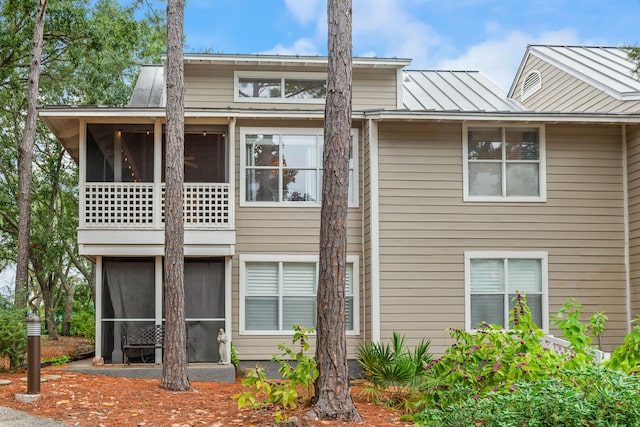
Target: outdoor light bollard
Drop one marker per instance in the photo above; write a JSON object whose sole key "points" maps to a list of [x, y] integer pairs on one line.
{"points": [[33, 354]]}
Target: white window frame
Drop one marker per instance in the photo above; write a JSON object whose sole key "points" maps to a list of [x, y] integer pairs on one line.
{"points": [[542, 165], [531, 84], [249, 258], [543, 256], [318, 132], [283, 76]]}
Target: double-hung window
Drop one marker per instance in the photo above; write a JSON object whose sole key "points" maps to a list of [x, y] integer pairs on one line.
{"points": [[504, 164], [284, 165], [278, 292], [492, 281]]}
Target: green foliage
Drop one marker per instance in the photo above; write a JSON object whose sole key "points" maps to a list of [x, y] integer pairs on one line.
{"points": [[626, 358], [490, 360], [83, 324], [282, 394], [57, 360], [235, 360], [13, 333], [634, 55], [393, 370], [589, 396]]}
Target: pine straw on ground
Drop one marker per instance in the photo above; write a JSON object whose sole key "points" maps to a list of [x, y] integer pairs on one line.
{"points": [[96, 400]]}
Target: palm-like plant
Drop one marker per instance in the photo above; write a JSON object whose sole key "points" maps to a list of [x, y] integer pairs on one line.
{"points": [[393, 370]]}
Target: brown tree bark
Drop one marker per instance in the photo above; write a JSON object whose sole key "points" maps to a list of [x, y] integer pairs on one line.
{"points": [[332, 399], [25, 158], [174, 368]]}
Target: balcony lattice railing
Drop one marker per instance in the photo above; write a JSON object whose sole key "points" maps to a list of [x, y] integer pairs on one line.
{"points": [[139, 205]]}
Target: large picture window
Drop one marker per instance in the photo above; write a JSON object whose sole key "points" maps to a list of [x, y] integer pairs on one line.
{"points": [[504, 164], [492, 280], [276, 294], [282, 165]]}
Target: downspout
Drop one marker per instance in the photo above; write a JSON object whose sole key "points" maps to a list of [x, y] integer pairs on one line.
{"points": [[374, 213], [625, 200], [363, 244]]}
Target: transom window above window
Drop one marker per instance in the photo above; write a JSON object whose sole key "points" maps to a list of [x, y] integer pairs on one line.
{"points": [[283, 165], [280, 87], [275, 295], [504, 164], [494, 279]]}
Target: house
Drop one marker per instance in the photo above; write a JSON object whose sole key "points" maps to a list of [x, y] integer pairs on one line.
{"points": [[459, 196]]}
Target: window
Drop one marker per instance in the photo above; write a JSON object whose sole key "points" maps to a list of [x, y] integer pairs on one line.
{"points": [[492, 280], [504, 164], [285, 166], [277, 293], [280, 87]]}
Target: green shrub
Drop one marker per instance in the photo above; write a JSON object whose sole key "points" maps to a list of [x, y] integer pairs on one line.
{"points": [[13, 333], [590, 396], [490, 359], [626, 358], [393, 371], [282, 394], [83, 324]]}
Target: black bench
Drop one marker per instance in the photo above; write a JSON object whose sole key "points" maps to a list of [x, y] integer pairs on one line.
{"points": [[141, 338]]}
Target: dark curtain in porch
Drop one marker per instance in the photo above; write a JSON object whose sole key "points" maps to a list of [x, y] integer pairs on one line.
{"points": [[204, 299]]}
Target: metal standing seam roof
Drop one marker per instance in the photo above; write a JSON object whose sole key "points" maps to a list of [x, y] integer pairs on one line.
{"points": [[149, 89], [607, 68], [465, 91]]}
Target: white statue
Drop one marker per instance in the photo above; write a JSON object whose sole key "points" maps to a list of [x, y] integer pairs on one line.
{"points": [[222, 346]]}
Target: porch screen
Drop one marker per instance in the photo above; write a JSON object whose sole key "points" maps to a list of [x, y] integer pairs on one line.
{"points": [[204, 307]]}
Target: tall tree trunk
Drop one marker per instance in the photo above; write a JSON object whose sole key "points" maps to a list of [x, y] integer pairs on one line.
{"points": [[174, 369], [332, 399], [25, 158], [68, 305], [48, 299]]}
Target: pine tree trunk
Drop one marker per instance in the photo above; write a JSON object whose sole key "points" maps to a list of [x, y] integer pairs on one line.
{"points": [[174, 369], [332, 399], [25, 158]]}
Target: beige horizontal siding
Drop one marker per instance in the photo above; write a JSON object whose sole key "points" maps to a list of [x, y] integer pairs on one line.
{"points": [[425, 227], [562, 92], [208, 86], [633, 164], [281, 231]]}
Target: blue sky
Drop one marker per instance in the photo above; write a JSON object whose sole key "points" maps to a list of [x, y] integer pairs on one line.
{"points": [[486, 35]]}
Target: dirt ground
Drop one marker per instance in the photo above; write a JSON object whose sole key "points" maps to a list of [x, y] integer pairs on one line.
{"points": [[96, 400]]}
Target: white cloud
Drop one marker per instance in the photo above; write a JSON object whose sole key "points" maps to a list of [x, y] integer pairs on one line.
{"points": [[499, 58], [386, 23], [300, 47], [305, 10]]}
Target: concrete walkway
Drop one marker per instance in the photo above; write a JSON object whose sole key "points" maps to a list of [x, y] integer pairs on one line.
{"points": [[12, 418]]}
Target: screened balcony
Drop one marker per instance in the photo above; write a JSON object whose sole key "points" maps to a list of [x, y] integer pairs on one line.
{"points": [[124, 178]]}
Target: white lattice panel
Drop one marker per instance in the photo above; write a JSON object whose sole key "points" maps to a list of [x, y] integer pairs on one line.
{"points": [[205, 205], [118, 204]]}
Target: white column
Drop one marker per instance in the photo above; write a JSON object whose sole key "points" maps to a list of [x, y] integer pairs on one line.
{"points": [[98, 343], [82, 172], [157, 174]]}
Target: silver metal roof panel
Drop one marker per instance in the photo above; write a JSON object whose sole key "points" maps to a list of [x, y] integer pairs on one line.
{"points": [[431, 90]]}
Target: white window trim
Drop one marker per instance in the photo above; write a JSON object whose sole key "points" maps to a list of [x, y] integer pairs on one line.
{"points": [[542, 172], [543, 256], [237, 75], [244, 131], [248, 258]]}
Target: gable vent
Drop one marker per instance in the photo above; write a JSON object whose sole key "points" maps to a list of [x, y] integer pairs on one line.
{"points": [[531, 84]]}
